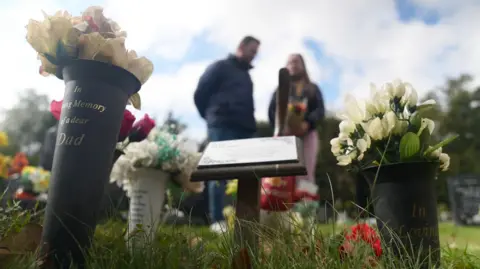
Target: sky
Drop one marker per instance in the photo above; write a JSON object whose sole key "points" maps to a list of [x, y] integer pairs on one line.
{"points": [[347, 45]]}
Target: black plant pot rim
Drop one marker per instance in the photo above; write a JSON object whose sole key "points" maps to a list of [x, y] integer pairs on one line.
{"points": [[372, 167], [127, 75], [401, 172]]}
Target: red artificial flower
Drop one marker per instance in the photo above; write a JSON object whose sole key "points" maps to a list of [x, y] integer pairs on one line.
{"points": [[365, 233], [141, 129], [127, 123], [56, 109]]}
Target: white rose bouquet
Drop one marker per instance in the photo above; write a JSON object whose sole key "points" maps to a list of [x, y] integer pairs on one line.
{"points": [[388, 128], [161, 150], [62, 37]]}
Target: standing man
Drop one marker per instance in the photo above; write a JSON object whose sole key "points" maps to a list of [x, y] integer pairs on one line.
{"points": [[224, 98]]}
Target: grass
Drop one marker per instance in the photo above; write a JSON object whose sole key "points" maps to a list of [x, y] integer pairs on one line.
{"points": [[196, 248]]}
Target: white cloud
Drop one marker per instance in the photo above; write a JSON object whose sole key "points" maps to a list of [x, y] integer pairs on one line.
{"points": [[365, 39]]}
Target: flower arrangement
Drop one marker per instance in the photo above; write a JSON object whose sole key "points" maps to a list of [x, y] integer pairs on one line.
{"points": [[160, 150], [388, 128], [35, 179], [61, 38]]}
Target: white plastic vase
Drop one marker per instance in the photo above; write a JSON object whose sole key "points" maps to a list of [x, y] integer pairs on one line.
{"points": [[146, 203]]}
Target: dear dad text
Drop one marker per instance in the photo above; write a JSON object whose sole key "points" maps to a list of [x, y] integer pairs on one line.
{"points": [[69, 140]]}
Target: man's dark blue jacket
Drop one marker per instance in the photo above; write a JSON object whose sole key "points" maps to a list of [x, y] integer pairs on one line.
{"points": [[224, 95]]}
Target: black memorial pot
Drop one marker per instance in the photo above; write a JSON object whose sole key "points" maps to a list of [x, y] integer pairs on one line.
{"points": [[405, 204], [95, 98]]}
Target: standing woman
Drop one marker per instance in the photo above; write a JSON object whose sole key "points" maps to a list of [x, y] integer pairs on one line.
{"points": [[308, 93]]}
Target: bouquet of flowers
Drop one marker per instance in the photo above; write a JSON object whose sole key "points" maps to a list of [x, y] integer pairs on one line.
{"points": [[160, 150], [295, 114], [388, 128], [60, 38], [34, 180]]}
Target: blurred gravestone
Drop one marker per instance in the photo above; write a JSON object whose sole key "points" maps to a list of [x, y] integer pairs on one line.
{"points": [[464, 193], [48, 148]]}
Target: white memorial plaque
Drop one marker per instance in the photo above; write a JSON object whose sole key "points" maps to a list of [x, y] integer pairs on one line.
{"points": [[254, 151]]}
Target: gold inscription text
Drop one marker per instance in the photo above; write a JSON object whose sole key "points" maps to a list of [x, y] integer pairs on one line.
{"points": [[73, 120], [83, 104], [71, 140], [418, 211]]}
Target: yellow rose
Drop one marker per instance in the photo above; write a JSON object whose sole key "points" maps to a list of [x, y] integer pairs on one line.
{"points": [[114, 52], [89, 45], [141, 67], [45, 36], [39, 37], [3, 139]]}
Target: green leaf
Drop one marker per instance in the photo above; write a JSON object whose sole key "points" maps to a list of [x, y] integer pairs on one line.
{"points": [[409, 145], [439, 145]]}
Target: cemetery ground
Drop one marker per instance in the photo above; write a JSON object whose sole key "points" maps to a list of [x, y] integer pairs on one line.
{"points": [[194, 247]]}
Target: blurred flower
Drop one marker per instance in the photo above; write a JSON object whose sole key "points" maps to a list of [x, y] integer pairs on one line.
{"points": [[141, 67], [361, 232], [4, 165], [375, 129], [353, 111], [19, 162], [141, 129], [3, 139], [229, 213], [232, 188], [56, 109], [37, 177], [347, 126], [444, 161], [127, 123]]}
